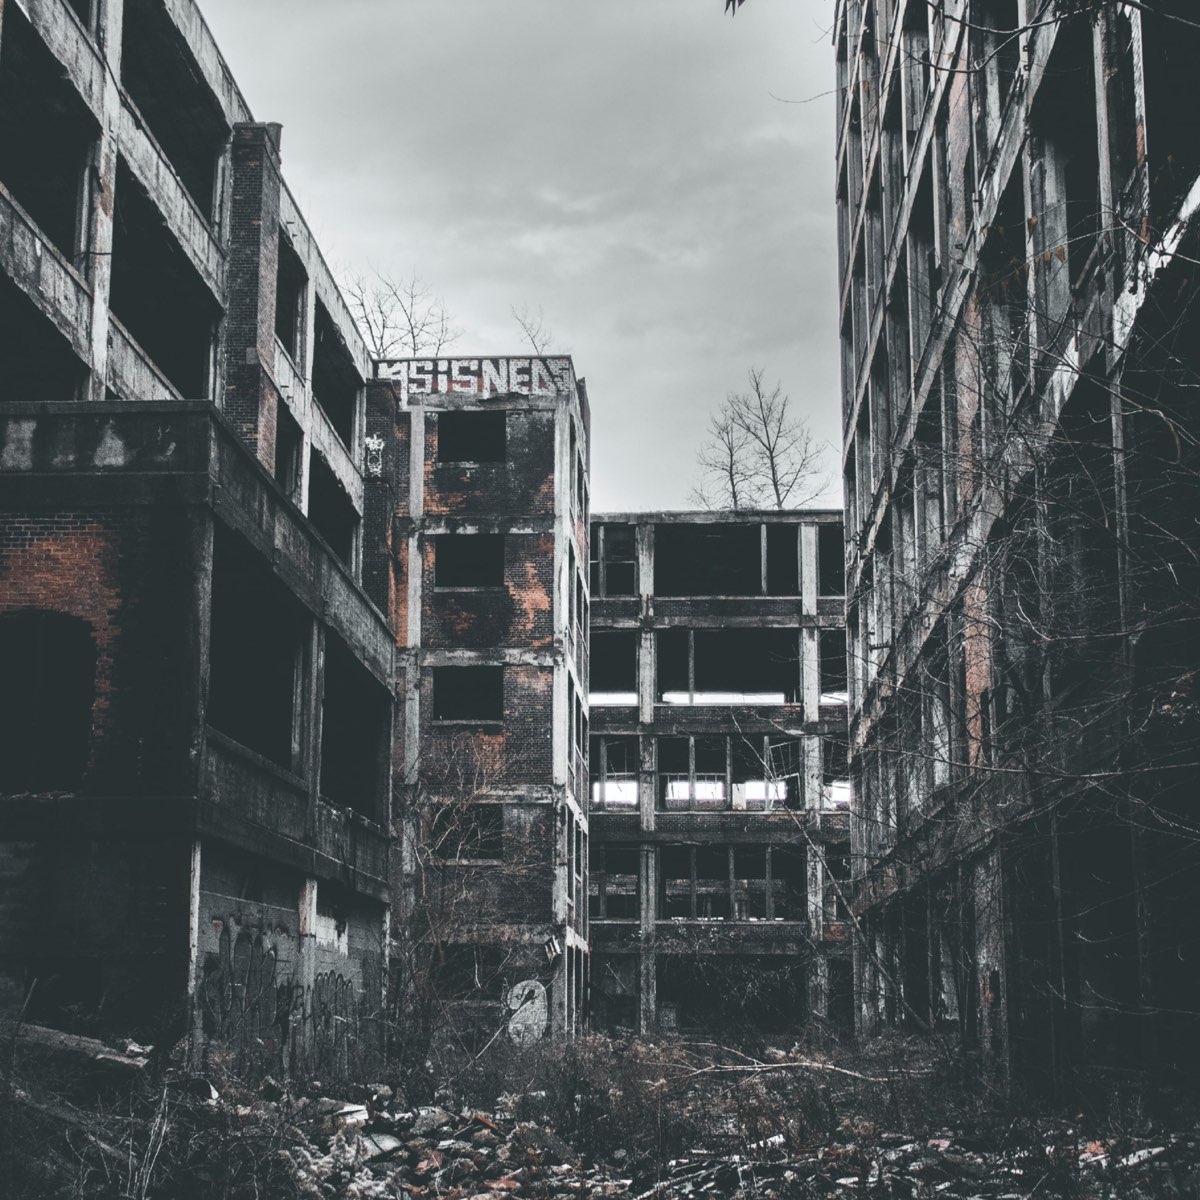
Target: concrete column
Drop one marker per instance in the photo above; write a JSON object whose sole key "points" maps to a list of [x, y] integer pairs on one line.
{"points": [[312, 693], [814, 785], [810, 667], [251, 401], [102, 186], [647, 953], [808, 568]]}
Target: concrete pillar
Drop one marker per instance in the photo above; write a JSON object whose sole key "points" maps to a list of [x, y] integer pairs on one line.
{"points": [[102, 187], [810, 673], [808, 568], [647, 953], [251, 400]]}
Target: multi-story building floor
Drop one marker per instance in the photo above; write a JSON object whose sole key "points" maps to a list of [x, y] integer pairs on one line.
{"points": [[195, 690], [481, 546], [719, 787], [1017, 196]]}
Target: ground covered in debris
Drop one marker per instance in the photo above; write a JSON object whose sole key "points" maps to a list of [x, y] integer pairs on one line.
{"points": [[624, 1119]]}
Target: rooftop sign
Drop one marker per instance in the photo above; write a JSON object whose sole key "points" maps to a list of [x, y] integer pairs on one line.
{"points": [[479, 376]]}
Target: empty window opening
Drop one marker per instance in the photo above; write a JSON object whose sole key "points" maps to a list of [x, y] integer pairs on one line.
{"points": [[614, 560], [750, 883], [831, 560], [729, 666], [48, 669], [674, 773], [467, 832], [255, 652], [755, 787], [1171, 50], [614, 667], [468, 560], [693, 773], [471, 973], [708, 560], [1065, 117], [613, 883], [157, 295], [164, 81], [614, 773], [837, 882], [709, 782], [36, 361], [470, 694], [336, 384], [45, 135], [291, 284], [331, 930], [475, 437], [355, 716], [834, 679], [783, 560], [713, 883], [785, 761], [835, 770], [746, 666], [713, 993], [789, 884], [675, 882], [289, 446], [331, 510]]}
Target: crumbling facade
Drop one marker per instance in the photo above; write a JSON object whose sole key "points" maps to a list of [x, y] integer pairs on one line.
{"points": [[197, 691], [480, 541], [1017, 195], [719, 787]]}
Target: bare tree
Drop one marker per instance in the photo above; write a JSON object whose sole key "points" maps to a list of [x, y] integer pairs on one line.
{"points": [[758, 453], [533, 327], [400, 317]]}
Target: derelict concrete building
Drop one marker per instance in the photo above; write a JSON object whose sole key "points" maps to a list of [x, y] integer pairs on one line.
{"points": [[480, 542], [1017, 194], [719, 785], [197, 704]]}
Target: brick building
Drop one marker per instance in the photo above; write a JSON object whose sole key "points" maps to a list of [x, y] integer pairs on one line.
{"points": [[719, 790], [479, 541], [1017, 238], [196, 690]]}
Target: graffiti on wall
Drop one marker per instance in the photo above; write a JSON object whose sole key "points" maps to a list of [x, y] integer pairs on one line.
{"points": [[252, 1004], [479, 376]]}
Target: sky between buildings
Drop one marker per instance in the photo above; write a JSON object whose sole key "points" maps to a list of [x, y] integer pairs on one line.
{"points": [[652, 175]]}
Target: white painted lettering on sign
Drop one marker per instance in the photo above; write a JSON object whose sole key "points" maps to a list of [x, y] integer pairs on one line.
{"points": [[479, 376]]}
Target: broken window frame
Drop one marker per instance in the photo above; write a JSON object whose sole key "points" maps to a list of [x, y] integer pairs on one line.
{"points": [[624, 795], [697, 697], [712, 898], [608, 559], [602, 880]]}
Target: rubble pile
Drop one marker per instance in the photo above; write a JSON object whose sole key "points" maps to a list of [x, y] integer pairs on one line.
{"points": [[653, 1122], [372, 1151]]}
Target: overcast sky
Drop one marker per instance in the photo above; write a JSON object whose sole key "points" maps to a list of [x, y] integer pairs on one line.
{"points": [[630, 167]]}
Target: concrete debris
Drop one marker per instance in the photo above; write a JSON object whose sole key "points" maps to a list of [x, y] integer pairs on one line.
{"points": [[473, 1155]]}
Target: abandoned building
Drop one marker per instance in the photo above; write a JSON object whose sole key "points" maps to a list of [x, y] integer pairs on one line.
{"points": [[1017, 232], [478, 478], [197, 698], [718, 778]]}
